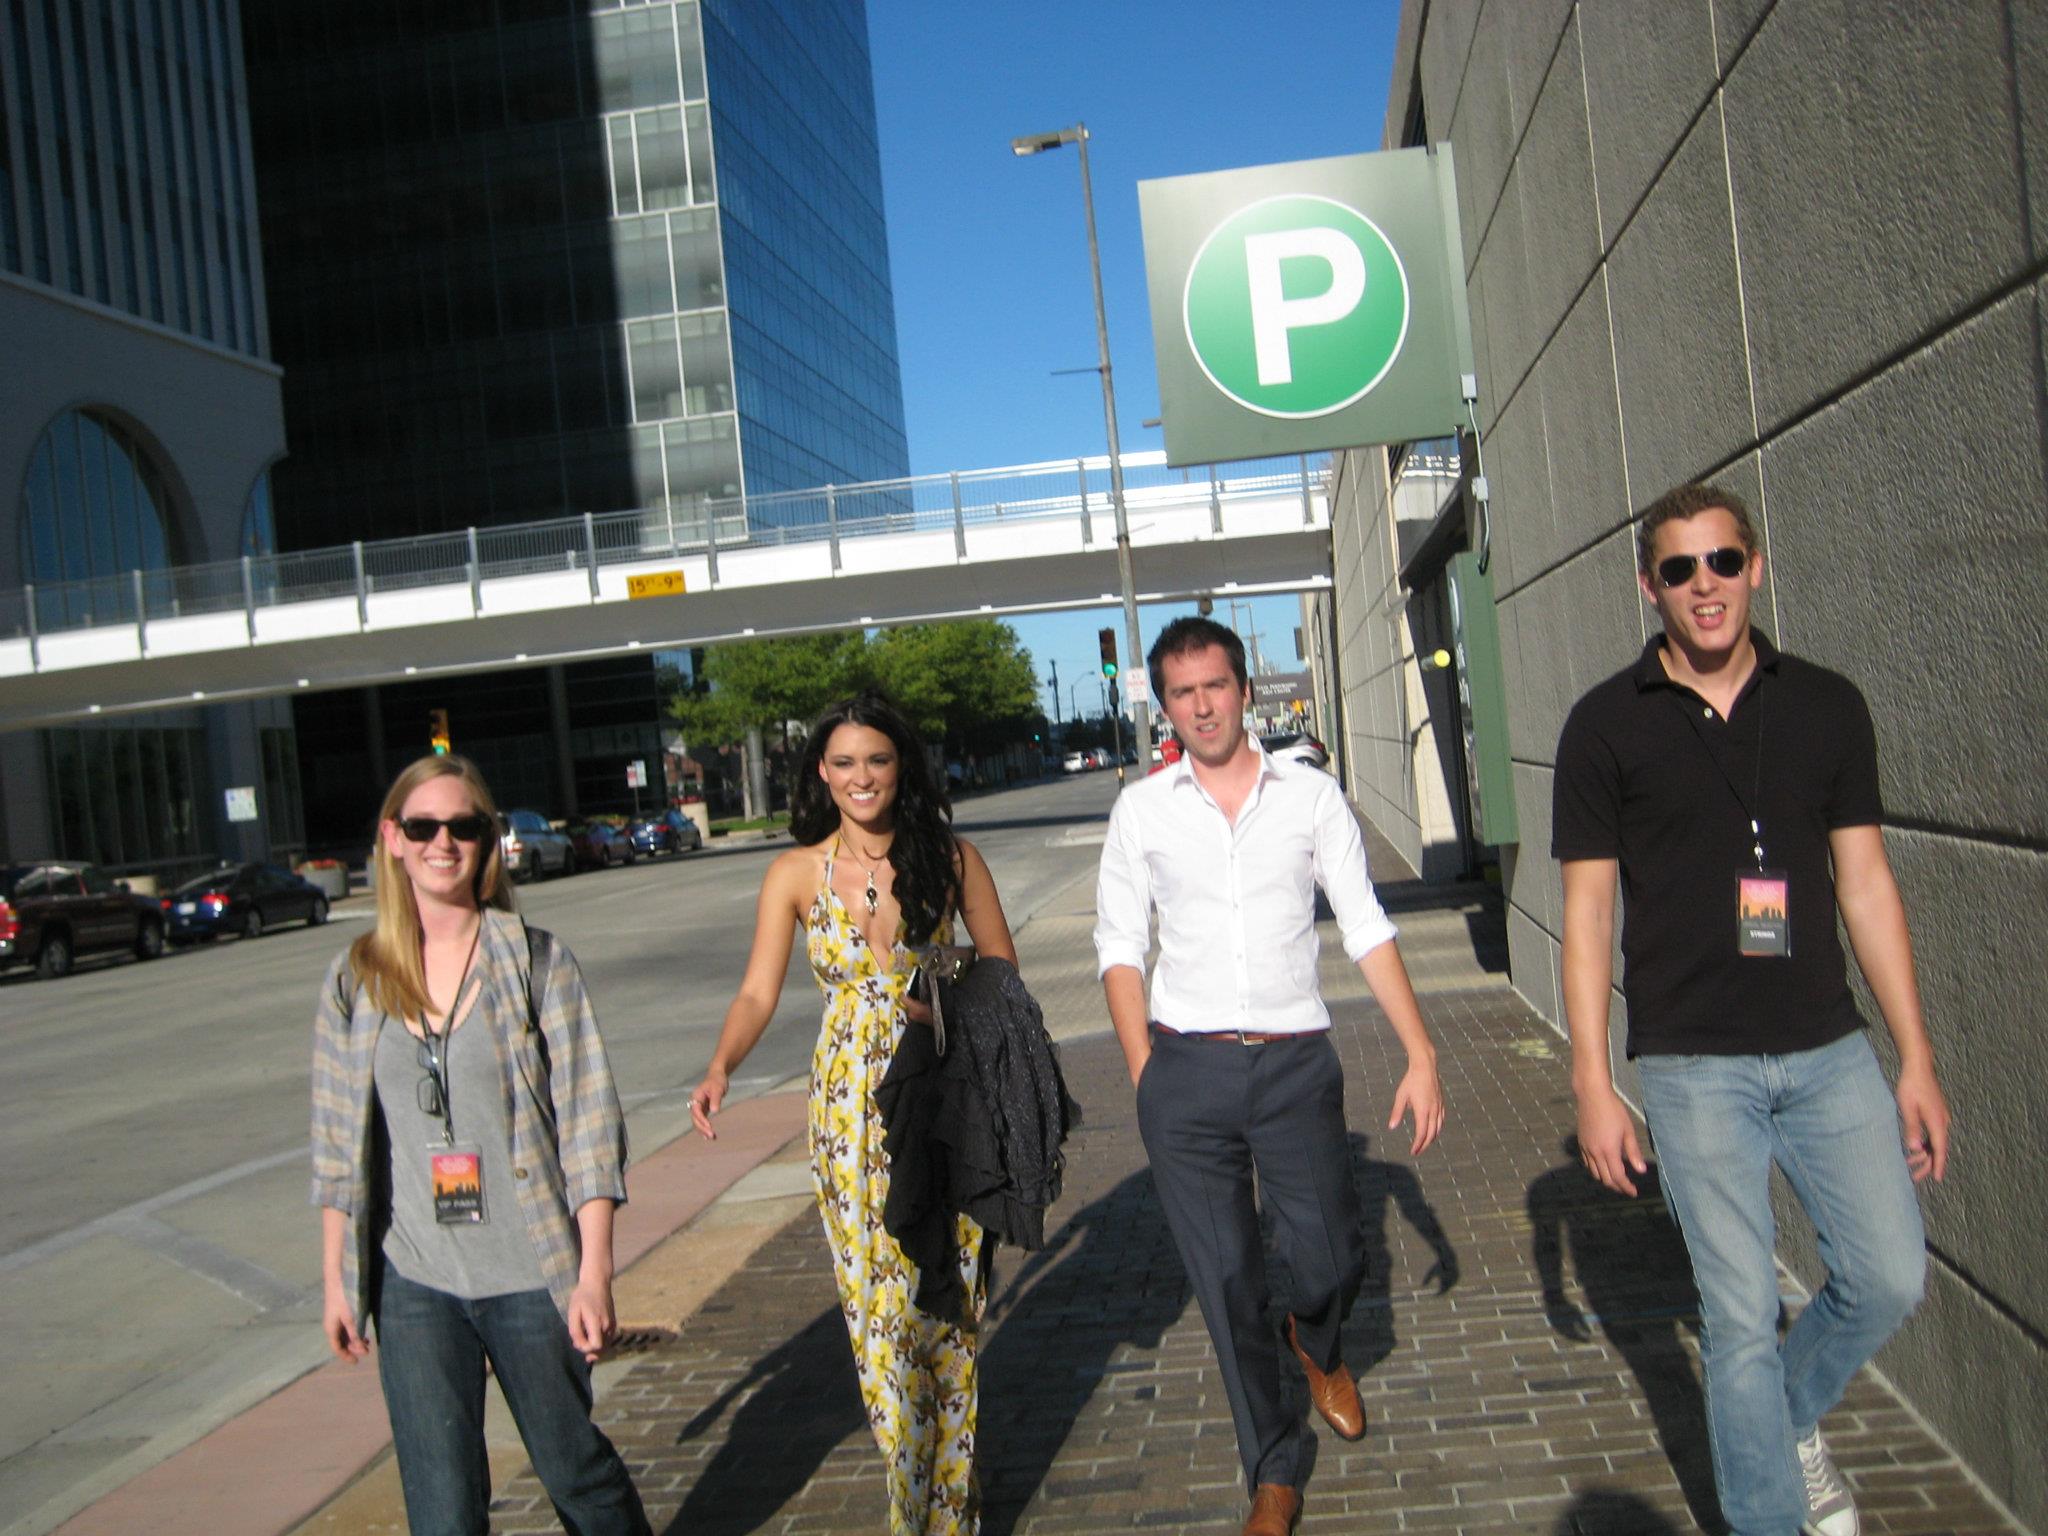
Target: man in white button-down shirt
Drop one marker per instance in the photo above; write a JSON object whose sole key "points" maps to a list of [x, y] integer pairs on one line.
{"points": [[1232, 1059]]}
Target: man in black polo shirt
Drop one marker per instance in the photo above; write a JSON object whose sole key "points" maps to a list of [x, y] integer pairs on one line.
{"points": [[1734, 790]]}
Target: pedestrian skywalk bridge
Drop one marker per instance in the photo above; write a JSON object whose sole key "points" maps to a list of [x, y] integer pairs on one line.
{"points": [[1029, 538]]}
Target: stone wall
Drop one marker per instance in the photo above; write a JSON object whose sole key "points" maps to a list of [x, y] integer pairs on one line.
{"points": [[1796, 247]]}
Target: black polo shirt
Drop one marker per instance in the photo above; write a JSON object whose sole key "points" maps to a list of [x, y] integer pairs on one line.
{"points": [[1649, 774]]}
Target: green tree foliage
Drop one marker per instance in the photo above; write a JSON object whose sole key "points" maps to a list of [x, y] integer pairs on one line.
{"points": [[967, 685], [767, 682]]}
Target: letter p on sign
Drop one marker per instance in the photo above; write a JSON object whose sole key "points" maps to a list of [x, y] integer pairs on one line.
{"points": [[1274, 315], [1296, 306]]}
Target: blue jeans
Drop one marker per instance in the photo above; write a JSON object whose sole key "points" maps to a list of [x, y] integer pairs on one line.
{"points": [[1827, 1118], [431, 1348]]}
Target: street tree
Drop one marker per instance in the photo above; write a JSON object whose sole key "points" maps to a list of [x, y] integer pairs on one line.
{"points": [[765, 684], [967, 684]]}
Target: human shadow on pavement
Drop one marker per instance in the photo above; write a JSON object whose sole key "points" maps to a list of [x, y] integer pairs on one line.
{"points": [[1631, 1264], [1609, 1512], [805, 1402], [1384, 1188], [1107, 1281]]}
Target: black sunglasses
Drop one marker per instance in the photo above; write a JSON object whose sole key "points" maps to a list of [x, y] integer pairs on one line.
{"points": [[464, 829], [1676, 570]]}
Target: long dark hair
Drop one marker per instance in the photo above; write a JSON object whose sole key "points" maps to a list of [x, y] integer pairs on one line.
{"points": [[925, 850]]}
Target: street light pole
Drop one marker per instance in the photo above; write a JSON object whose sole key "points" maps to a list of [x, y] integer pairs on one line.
{"points": [[1134, 653]]}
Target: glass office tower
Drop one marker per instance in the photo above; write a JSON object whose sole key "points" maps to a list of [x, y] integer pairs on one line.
{"points": [[532, 258]]}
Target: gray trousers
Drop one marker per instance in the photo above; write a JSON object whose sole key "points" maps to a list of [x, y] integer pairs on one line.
{"points": [[1211, 1112]]}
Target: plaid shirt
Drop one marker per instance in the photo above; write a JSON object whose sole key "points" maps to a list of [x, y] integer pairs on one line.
{"points": [[568, 1132]]}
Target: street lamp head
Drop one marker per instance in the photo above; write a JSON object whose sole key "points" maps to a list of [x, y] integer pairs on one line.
{"points": [[1038, 143]]}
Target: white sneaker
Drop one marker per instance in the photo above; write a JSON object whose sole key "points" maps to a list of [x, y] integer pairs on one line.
{"points": [[1829, 1509]]}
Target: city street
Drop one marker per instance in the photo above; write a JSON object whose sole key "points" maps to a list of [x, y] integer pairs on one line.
{"points": [[161, 1259]]}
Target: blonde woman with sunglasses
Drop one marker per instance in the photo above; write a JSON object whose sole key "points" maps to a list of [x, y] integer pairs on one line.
{"points": [[468, 1153]]}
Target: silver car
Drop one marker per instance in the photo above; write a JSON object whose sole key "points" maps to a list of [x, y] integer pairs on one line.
{"points": [[534, 850], [1297, 746]]}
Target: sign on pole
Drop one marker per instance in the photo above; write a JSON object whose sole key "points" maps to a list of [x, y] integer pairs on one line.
{"points": [[1308, 306], [636, 774], [1274, 692], [242, 803]]}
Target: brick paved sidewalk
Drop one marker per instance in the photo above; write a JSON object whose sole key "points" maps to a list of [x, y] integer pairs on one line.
{"points": [[1524, 1342]]}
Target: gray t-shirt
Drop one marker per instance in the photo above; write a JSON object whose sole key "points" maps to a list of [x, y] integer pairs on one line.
{"points": [[493, 1257]]}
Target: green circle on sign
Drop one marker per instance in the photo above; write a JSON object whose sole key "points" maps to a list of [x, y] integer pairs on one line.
{"points": [[1296, 305]]}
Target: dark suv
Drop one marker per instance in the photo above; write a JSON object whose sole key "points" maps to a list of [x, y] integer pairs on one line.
{"points": [[51, 913]]}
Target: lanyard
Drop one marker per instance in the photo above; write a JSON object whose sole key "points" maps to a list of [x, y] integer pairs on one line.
{"points": [[1752, 803], [436, 1062]]}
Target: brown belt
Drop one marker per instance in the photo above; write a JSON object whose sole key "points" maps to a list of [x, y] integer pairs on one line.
{"points": [[1241, 1036]]}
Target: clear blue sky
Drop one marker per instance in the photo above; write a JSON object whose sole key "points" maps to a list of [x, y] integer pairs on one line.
{"points": [[989, 253]]}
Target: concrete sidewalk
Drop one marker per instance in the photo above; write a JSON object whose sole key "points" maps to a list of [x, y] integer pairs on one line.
{"points": [[1525, 1342]]}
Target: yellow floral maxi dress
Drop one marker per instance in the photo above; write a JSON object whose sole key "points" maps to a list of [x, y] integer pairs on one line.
{"points": [[917, 1375]]}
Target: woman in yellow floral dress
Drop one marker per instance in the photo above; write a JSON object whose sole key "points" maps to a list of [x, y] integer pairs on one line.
{"points": [[877, 873]]}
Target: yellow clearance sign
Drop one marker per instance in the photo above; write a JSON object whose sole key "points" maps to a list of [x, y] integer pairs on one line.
{"points": [[656, 584]]}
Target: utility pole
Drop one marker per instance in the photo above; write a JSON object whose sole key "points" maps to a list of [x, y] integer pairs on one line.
{"points": [[1058, 728]]}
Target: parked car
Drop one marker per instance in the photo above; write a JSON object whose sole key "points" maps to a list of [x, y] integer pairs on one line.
{"points": [[51, 913], [1074, 762], [533, 849], [1298, 746], [248, 899], [670, 832], [600, 845]]}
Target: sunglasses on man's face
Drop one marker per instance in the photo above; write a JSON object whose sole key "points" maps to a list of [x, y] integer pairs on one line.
{"points": [[1676, 570], [464, 829]]}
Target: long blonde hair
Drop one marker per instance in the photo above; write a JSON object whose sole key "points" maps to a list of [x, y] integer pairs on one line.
{"points": [[387, 960]]}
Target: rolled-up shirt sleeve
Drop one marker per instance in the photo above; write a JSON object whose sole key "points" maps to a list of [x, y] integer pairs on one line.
{"points": [[1340, 870], [1123, 895]]}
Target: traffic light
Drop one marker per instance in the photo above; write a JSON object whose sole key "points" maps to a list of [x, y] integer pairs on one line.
{"points": [[1106, 640], [437, 732]]}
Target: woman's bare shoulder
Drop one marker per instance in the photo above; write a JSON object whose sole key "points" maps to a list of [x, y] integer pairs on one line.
{"points": [[798, 871]]}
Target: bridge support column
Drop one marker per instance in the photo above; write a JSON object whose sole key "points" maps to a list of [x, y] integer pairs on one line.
{"points": [[373, 734], [558, 725]]}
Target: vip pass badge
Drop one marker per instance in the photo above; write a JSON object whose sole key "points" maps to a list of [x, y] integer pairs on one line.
{"points": [[1296, 306]]}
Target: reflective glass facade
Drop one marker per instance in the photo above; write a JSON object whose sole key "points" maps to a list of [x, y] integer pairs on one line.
{"points": [[131, 795], [529, 258], [124, 173], [806, 249], [94, 503]]}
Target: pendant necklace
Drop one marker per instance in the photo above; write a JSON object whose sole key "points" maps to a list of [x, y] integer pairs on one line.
{"points": [[871, 896]]}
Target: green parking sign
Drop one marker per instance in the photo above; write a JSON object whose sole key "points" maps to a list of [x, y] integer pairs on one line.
{"points": [[1296, 306], [1306, 306]]}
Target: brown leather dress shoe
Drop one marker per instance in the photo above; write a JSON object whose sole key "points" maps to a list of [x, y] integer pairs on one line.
{"points": [[1333, 1391], [1275, 1508]]}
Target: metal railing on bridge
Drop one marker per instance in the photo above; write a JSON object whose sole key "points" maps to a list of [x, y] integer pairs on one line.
{"points": [[1068, 489]]}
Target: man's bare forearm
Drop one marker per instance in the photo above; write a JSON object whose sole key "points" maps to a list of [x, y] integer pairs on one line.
{"points": [[1124, 988], [1589, 975]]}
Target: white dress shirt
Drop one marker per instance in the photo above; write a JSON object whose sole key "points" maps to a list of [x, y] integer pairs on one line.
{"points": [[1236, 903]]}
